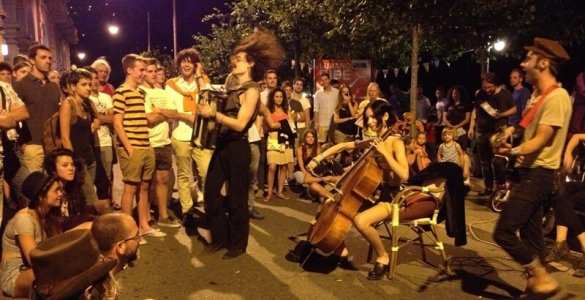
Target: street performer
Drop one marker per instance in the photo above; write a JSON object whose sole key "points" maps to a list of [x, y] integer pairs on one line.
{"points": [[544, 123], [228, 218]]}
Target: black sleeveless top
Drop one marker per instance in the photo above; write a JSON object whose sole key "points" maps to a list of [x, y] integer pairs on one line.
{"points": [[82, 139], [231, 107]]}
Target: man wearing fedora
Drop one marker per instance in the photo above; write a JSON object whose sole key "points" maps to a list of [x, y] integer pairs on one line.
{"points": [[544, 124], [69, 266], [117, 237]]}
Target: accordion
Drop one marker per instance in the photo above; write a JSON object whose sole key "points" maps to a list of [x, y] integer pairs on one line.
{"points": [[206, 130]]}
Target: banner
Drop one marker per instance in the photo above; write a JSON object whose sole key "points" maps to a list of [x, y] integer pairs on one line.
{"points": [[356, 73]]}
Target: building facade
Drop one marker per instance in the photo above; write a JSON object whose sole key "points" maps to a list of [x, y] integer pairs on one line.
{"points": [[24, 23]]}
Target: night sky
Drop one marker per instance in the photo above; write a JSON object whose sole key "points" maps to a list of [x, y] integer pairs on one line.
{"points": [[92, 17]]}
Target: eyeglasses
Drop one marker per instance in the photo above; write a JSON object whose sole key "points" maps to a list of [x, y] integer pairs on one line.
{"points": [[137, 237]]}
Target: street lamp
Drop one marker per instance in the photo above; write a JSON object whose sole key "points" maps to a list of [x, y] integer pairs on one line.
{"points": [[499, 46], [113, 29], [81, 55]]}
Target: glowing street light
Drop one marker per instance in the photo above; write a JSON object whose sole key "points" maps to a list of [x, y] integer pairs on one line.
{"points": [[113, 29], [499, 45], [81, 55]]}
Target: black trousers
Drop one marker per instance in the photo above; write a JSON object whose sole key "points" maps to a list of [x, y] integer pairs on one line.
{"points": [[228, 217], [570, 198], [484, 149], [523, 212]]}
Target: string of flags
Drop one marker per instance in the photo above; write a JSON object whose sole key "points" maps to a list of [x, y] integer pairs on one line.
{"points": [[426, 66]]}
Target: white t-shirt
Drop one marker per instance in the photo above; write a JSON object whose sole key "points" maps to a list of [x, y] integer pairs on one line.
{"points": [[253, 134], [305, 104], [264, 96], [103, 102], [184, 130], [325, 103], [159, 134]]}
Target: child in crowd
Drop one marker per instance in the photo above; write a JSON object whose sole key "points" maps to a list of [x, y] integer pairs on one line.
{"points": [[418, 157], [451, 151]]}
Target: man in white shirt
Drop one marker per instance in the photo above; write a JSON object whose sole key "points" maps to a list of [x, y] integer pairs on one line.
{"points": [[303, 118], [325, 103], [159, 110], [271, 80], [183, 91]]}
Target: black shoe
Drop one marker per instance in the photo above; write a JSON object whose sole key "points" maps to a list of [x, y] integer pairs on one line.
{"points": [[213, 248], [256, 215], [233, 253], [378, 271], [346, 264]]}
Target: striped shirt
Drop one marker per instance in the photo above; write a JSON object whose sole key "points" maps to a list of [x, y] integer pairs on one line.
{"points": [[131, 103]]}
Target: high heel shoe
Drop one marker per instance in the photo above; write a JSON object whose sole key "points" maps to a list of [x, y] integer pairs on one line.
{"points": [[378, 271]]}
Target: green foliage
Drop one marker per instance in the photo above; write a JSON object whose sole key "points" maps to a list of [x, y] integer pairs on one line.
{"points": [[381, 29]]}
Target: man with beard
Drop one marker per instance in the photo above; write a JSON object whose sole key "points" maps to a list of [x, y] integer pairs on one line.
{"points": [[545, 124], [117, 237]]}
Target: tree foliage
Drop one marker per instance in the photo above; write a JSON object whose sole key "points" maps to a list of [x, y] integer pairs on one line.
{"points": [[381, 29], [164, 59]]}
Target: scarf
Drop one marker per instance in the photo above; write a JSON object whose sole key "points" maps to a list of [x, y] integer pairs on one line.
{"points": [[189, 98]]}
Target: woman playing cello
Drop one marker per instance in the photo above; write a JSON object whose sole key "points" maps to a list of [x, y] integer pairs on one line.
{"points": [[391, 158]]}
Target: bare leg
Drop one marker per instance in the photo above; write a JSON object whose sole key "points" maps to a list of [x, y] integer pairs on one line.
{"points": [[282, 174], [562, 233], [128, 193], [271, 171], [363, 222], [162, 193], [143, 207]]}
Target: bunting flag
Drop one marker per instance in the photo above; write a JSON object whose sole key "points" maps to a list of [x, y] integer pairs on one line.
{"points": [[395, 70], [449, 64], [406, 69], [427, 66], [437, 62]]}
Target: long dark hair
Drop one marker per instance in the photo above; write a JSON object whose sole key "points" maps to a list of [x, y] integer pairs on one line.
{"points": [[304, 146], [263, 49], [271, 105], [73, 192], [340, 102], [379, 108], [464, 98], [52, 222]]}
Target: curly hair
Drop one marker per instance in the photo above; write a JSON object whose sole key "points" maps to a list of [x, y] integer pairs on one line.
{"points": [[263, 49]]}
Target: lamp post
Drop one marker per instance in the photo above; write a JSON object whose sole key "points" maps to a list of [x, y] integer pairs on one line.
{"points": [[113, 29], [498, 46]]}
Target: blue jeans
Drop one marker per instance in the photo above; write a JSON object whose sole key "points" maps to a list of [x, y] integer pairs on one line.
{"points": [[523, 212]]}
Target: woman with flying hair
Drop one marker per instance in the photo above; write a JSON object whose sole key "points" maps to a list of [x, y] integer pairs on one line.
{"points": [[228, 222]]}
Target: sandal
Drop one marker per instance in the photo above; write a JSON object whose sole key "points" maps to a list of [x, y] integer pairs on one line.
{"points": [[267, 198], [282, 196]]}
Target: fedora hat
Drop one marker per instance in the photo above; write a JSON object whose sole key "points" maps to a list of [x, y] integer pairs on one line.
{"points": [[549, 48], [34, 184], [66, 264]]}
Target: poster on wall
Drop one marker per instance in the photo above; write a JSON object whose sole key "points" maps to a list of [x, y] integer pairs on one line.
{"points": [[356, 73]]}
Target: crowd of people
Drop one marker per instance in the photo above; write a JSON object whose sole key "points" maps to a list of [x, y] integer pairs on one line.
{"points": [[64, 131]]}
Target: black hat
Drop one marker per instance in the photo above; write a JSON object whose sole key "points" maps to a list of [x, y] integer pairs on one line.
{"points": [[34, 184]]}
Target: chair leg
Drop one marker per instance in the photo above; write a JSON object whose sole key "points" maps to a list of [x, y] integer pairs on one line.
{"points": [[393, 252], [370, 252], [421, 242], [441, 248]]}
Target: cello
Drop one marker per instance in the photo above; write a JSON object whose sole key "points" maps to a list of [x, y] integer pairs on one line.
{"points": [[355, 187]]}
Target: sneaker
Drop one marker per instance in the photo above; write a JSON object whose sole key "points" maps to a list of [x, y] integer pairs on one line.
{"points": [[256, 215], [154, 232], [169, 222], [559, 251]]}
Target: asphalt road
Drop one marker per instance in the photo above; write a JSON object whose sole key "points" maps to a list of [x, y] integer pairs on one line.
{"points": [[177, 267]]}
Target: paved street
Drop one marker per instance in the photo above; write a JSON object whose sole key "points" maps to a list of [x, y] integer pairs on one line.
{"points": [[176, 267]]}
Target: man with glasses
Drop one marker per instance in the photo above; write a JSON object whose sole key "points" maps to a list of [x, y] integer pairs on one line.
{"points": [[494, 104], [118, 237]]}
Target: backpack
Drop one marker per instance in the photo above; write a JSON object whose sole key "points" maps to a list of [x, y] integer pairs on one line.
{"points": [[52, 131]]}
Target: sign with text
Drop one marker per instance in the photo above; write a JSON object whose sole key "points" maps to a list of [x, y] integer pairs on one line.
{"points": [[356, 73]]}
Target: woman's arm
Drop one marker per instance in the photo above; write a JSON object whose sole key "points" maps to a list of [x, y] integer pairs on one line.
{"points": [[331, 151], [461, 155], [300, 159], [353, 109], [249, 100], [65, 124], [27, 244]]}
